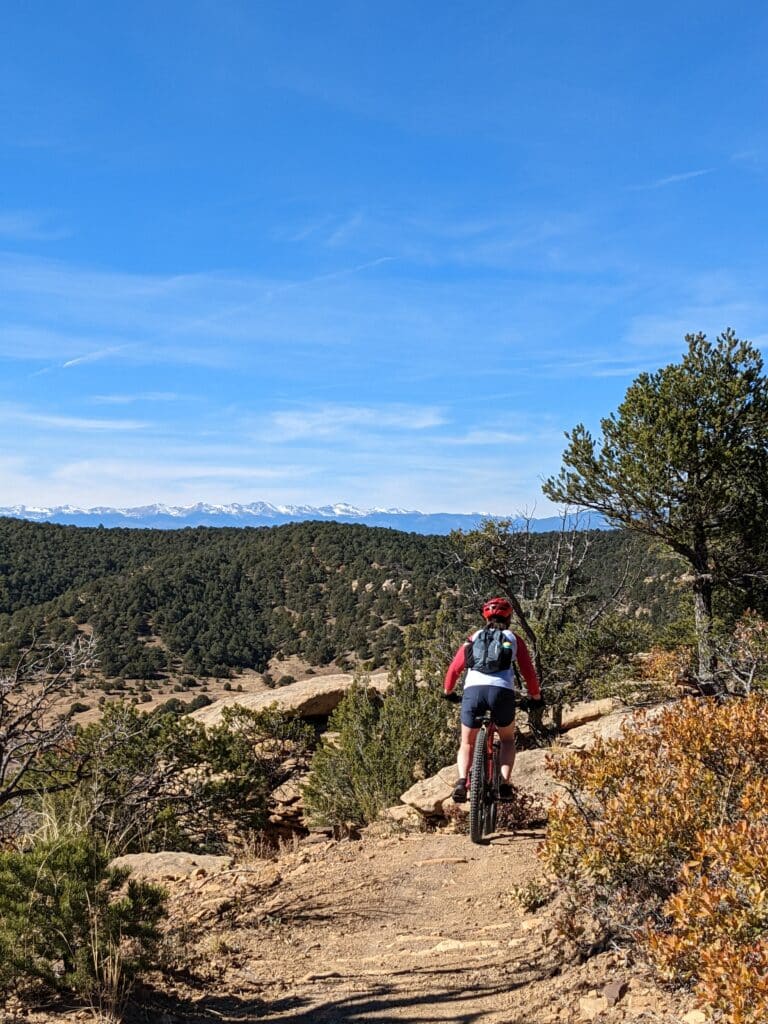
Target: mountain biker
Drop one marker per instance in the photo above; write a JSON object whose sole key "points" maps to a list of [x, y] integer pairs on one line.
{"points": [[492, 691]]}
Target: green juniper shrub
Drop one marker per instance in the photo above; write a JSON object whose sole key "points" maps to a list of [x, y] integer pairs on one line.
{"points": [[588, 661], [162, 781], [63, 911], [247, 754], [383, 744], [145, 780]]}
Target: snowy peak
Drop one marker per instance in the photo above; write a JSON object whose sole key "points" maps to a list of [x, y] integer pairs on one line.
{"points": [[262, 513]]}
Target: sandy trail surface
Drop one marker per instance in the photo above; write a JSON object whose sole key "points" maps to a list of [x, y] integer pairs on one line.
{"points": [[412, 927]]}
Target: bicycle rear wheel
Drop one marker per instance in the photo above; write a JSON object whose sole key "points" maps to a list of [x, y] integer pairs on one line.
{"points": [[489, 824], [477, 789]]}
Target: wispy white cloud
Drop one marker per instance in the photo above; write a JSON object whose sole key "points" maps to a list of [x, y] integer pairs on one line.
{"points": [[304, 231], [158, 471], [443, 238], [29, 226], [674, 179], [755, 159], [596, 366], [346, 230], [333, 421], [34, 341], [94, 357], [488, 436], [33, 418], [144, 396]]}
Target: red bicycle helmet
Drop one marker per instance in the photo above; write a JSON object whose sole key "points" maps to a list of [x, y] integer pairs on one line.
{"points": [[497, 608]]}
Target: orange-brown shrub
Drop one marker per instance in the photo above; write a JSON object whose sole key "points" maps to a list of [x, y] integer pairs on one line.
{"points": [[716, 935], [666, 833], [665, 666]]}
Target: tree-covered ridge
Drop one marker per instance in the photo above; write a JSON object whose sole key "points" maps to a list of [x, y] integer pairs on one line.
{"points": [[217, 598], [39, 562], [209, 600]]}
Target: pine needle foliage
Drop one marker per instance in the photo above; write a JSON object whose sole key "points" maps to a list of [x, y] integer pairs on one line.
{"points": [[685, 460], [162, 781], [379, 747], [64, 911]]}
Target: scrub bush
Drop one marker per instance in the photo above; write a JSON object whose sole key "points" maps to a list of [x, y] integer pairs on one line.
{"points": [[716, 935], [70, 922], [382, 746], [664, 836], [162, 781], [743, 655]]}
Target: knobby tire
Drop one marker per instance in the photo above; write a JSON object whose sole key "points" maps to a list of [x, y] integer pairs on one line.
{"points": [[477, 788], [491, 793]]}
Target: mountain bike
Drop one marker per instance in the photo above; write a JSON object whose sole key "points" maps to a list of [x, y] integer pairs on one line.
{"points": [[485, 776]]}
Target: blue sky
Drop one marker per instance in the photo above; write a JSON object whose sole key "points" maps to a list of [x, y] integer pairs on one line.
{"points": [[380, 252]]}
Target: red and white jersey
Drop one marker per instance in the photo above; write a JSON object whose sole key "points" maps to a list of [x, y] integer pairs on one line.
{"points": [[505, 678]]}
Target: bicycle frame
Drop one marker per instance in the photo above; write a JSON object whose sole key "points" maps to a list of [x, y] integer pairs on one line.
{"points": [[488, 735]]}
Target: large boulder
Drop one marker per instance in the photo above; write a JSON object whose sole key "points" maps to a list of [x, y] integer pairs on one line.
{"points": [[610, 727], [587, 711], [582, 737], [314, 697], [427, 795], [574, 716], [402, 815], [170, 865], [531, 774]]}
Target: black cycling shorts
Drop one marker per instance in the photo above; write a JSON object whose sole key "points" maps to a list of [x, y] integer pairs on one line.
{"points": [[478, 699]]}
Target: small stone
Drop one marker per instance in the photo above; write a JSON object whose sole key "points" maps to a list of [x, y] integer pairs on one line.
{"points": [[640, 1002], [270, 876], [695, 1017], [592, 1006], [614, 991]]}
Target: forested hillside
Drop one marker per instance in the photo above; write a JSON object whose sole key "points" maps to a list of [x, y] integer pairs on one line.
{"points": [[209, 600]]}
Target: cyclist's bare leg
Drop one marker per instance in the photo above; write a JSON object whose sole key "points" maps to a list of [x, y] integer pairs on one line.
{"points": [[464, 760], [506, 750]]}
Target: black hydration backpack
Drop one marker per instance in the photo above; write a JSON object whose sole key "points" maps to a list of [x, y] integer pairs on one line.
{"points": [[490, 652]]}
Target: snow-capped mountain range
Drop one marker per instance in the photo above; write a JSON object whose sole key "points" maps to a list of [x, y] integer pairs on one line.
{"points": [[260, 513]]}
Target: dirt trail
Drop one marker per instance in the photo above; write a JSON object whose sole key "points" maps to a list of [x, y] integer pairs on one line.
{"points": [[412, 927]]}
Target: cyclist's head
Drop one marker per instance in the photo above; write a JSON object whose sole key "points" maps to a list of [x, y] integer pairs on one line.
{"points": [[498, 608]]}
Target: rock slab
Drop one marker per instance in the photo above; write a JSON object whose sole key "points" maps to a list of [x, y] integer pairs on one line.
{"points": [[315, 697], [170, 865], [427, 795]]}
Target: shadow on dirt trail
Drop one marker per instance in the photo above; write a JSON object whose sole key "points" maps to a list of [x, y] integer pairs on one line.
{"points": [[414, 996]]}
